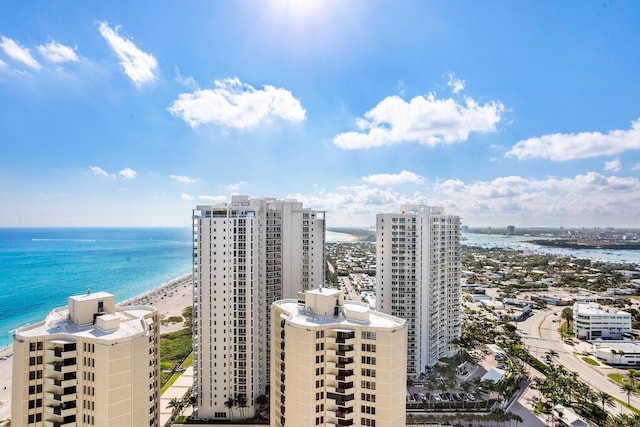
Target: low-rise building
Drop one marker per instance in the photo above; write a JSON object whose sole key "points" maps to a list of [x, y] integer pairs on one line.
{"points": [[618, 353], [593, 321]]}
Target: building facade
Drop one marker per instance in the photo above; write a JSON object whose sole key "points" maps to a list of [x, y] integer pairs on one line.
{"points": [[247, 254], [418, 279], [88, 364], [593, 321], [336, 363]]}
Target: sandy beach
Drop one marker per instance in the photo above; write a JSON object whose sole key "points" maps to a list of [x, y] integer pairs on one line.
{"points": [[169, 299]]}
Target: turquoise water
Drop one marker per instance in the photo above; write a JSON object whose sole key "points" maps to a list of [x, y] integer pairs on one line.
{"points": [[522, 243], [41, 267]]}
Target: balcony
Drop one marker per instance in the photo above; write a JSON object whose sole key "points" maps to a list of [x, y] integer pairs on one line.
{"points": [[65, 410], [62, 398], [61, 424], [65, 352]]}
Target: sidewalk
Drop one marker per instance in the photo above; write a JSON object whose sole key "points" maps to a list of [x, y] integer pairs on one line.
{"points": [[178, 390]]}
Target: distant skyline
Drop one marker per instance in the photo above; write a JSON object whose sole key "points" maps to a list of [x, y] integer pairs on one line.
{"points": [[504, 113]]}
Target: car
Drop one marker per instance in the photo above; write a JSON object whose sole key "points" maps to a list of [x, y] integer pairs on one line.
{"points": [[436, 397], [457, 397], [447, 395], [416, 396], [422, 396], [470, 397]]}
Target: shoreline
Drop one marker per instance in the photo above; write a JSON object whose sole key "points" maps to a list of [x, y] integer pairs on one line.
{"points": [[170, 299]]}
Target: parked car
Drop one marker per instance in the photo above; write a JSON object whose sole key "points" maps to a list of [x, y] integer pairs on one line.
{"points": [[447, 396], [422, 396], [457, 397], [437, 397], [416, 396], [470, 397]]}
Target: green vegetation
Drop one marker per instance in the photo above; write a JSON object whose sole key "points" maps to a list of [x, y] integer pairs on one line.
{"points": [[175, 347], [590, 361]]}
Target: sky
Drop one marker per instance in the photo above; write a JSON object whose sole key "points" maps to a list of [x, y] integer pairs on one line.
{"points": [[519, 113]]}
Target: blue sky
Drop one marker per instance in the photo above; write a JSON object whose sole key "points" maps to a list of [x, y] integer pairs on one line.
{"points": [[505, 113]]}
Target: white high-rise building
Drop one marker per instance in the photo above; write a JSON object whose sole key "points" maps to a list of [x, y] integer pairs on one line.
{"points": [[247, 254], [88, 364], [336, 363], [418, 279]]}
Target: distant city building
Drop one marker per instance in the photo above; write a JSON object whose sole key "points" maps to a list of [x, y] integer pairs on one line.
{"points": [[511, 230], [336, 363], [593, 321], [418, 279], [89, 363], [247, 254]]}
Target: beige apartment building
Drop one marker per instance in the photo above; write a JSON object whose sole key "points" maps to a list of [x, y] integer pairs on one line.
{"points": [[247, 254], [418, 279], [336, 363], [88, 364]]}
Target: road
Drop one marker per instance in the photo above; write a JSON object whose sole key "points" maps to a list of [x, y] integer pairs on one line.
{"points": [[540, 334]]}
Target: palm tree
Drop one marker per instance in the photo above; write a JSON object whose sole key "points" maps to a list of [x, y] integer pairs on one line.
{"points": [[549, 355], [241, 401], [230, 403], [628, 389], [606, 400], [262, 402], [175, 405], [632, 374]]}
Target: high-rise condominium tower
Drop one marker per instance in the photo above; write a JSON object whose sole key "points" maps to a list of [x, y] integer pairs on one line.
{"points": [[336, 363], [418, 279], [246, 255], [88, 364]]}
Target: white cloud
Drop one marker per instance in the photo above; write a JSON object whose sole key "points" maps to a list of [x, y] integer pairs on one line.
{"points": [[456, 85], [232, 188], [18, 53], [56, 52], [186, 197], [138, 65], [185, 81], [183, 179], [635, 167], [560, 147], [128, 173], [2, 64], [429, 121], [614, 165], [393, 179], [236, 105], [213, 199], [590, 199], [97, 170]]}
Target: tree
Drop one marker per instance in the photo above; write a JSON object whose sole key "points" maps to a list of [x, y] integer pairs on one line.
{"points": [[230, 403], [632, 374], [175, 405], [262, 401], [567, 314], [628, 389], [606, 400], [241, 401]]}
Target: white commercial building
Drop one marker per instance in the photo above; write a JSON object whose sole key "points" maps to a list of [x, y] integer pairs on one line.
{"points": [[247, 254], [593, 321], [336, 363], [418, 279], [88, 364]]}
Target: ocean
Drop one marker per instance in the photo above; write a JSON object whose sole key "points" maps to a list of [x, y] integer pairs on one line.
{"points": [[41, 267]]}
